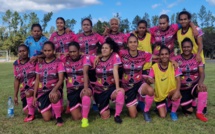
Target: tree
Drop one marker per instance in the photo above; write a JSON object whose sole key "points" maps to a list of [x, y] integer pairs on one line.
{"points": [[46, 18], [194, 19], [202, 14], [15, 21], [70, 23], [155, 19], [172, 19], [52, 29], [147, 19], [136, 19]]}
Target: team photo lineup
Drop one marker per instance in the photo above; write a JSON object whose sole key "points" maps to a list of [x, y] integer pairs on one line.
{"points": [[132, 70]]}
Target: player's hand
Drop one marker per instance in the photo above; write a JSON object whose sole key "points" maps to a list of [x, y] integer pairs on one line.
{"points": [[16, 100], [150, 80], [201, 87], [106, 31], [53, 95], [175, 64], [35, 102], [176, 95], [96, 61], [68, 30], [33, 59]]}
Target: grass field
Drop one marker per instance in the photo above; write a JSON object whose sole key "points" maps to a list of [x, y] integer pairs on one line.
{"points": [[98, 126]]}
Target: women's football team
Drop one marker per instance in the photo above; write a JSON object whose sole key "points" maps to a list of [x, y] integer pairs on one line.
{"points": [[115, 66]]}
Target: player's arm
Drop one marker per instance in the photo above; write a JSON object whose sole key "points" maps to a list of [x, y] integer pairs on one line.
{"points": [[36, 85], [60, 81], [201, 85], [195, 31], [116, 75], [86, 77], [16, 90], [200, 48]]}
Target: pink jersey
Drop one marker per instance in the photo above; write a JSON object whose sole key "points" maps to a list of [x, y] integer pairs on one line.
{"points": [[190, 71], [132, 67], [119, 38], [61, 41], [26, 75], [104, 72], [48, 75], [74, 72], [167, 38], [88, 43]]}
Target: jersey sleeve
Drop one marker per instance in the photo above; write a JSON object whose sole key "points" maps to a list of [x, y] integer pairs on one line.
{"points": [[60, 67], [176, 27], [200, 32], [63, 58], [14, 71], [101, 39], [126, 35], [178, 72], [52, 37], [148, 57], [151, 73], [26, 42], [73, 36], [201, 64], [116, 60], [86, 61], [152, 32]]}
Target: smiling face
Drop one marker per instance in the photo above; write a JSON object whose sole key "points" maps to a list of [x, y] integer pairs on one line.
{"points": [[164, 55], [163, 24], [184, 21], [132, 43], [114, 25], [187, 48], [60, 24], [106, 50]]}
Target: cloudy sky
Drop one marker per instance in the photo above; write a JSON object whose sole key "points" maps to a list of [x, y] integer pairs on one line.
{"points": [[103, 9]]}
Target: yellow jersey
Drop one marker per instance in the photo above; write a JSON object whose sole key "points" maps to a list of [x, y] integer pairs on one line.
{"points": [[145, 45], [165, 80], [189, 34]]}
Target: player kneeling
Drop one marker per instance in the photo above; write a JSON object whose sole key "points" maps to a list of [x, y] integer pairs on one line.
{"points": [[48, 86], [167, 84], [192, 80], [78, 93]]}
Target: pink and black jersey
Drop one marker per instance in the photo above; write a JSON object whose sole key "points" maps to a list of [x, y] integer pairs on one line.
{"points": [[74, 72], [167, 38], [190, 71], [48, 73], [119, 38], [61, 41], [88, 43], [104, 72], [26, 75], [133, 67]]}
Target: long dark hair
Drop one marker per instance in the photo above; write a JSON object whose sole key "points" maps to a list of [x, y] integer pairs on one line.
{"points": [[113, 45]]}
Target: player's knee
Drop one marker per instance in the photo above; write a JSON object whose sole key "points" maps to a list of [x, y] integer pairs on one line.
{"points": [[77, 117], [46, 119], [105, 115], [133, 115], [28, 94], [150, 91], [162, 115]]}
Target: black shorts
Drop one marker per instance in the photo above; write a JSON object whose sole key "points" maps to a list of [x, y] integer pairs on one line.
{"points": [[74, 99], [188, 96], [44, 103], [102, 99], [120, 72], [131, 95], [24, 104], [92, 75], [161, 103]]}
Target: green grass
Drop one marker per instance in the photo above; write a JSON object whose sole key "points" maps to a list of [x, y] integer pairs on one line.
{"points": [[97, 125]]}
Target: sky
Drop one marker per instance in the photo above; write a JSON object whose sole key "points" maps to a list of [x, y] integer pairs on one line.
{"points": [[102, 10]]}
